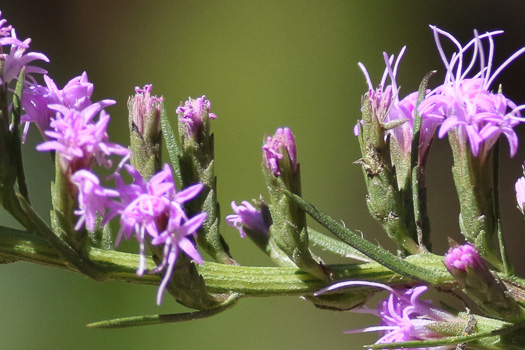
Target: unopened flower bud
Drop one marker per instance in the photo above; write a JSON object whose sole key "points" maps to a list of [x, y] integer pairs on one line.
{"points": [[280, 152], [288, 234], [145, 133], [490, 294]]}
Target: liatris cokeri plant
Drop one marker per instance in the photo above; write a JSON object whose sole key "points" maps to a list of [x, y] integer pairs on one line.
{"points": [[171, 210]]}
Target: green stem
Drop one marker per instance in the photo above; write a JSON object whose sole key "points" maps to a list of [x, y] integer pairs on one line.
{"points": [[18, 245], [63, 249]]}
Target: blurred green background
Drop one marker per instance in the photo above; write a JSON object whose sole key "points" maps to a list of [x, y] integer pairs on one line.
{"points": [[263, 64]]}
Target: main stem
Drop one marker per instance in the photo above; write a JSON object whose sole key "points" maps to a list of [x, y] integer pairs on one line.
{"points": [[18, 245]]}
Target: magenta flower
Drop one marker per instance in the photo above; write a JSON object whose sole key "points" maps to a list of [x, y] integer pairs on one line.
{"points": [[175, 239], [388, 109], [5, 35], [36, 99], [193, 112], [154, 209], [403, 316], [382, 97], [247, 217], [92, 198], [17, 58], [465, 101], [78, 139], [276, 148]]}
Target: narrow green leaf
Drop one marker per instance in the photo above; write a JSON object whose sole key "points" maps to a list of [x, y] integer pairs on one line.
{"points": [[150, 320], [418, 183], [171, 145], [16, 142], [372, 251], [335, 246]]}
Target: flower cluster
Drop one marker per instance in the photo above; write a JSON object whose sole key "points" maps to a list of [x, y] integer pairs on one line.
{"points": [[75, 95], [12, 63], [404, 317], [150, 211], [464, 100]]}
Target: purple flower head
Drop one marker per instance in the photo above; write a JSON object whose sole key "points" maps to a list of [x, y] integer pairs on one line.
{"points": [[280, 148], [146, 112], [36, 99], [78, 139], [464, 100], [520, 193], [193, 112], [248, 217], [404, 317], [92, 198], [154, 209], [175, 239], [463, 257], [5, 35], [382, 97], [386, 107], [12, 63]]}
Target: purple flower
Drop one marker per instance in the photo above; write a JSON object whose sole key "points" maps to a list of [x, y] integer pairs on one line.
{"points": [[278, 148], [5, 35], [382, 97], [465, 101], [403, 316], [154, 209], [386, 107], [247, 217], [78, 139], [193, 113], [520, 193], [175, 239], [92, 198], [36, 99], [17, 58]]}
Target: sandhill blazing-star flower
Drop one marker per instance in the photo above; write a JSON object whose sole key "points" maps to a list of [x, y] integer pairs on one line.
{"points": [[12, 63], [79, 140], [404, 317], [386, 106], [154, 209], [464, 100], [36, 99]]}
